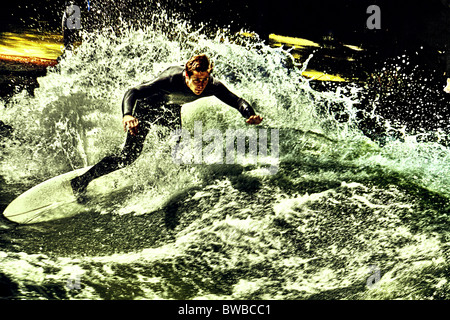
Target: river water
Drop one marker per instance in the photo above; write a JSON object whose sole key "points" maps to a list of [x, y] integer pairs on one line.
{"points": [[343, 217]]}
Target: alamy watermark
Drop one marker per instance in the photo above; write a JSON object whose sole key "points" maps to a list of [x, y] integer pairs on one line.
{"points": [[374, 21], [188, 149], [74, 282], [374, 277], [72, 17]]}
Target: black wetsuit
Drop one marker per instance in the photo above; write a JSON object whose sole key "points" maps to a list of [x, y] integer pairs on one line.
{"points": [[158, 102]]}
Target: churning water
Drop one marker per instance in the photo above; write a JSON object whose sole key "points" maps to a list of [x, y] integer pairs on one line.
{"points": [[342, 218]]}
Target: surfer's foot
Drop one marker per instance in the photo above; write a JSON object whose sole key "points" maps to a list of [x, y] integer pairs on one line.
{"points": [[79, 189]]}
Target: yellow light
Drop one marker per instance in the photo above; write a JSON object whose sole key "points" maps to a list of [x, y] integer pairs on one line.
{"points": [[30, 45], [297, 42], [354, 47], [317, 75]]}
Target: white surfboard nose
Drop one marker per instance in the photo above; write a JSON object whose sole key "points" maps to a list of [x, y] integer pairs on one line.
{"points": [[41, 202]]}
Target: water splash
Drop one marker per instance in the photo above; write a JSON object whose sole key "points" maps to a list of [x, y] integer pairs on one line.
{"points": [[339, 203]]}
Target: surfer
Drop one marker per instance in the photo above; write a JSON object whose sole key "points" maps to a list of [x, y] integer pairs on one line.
{"points": [[159, 102]]}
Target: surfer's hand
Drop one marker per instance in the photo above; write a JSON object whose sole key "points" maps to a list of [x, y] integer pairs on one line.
{"points": [[254, 120], [130, 123], [447, 88]]}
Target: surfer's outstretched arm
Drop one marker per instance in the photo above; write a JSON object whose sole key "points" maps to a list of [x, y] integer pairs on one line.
{"points": [[238, 103]]}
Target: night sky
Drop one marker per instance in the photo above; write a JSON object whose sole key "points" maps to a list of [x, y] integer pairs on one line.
{"points": [[401, 20]]}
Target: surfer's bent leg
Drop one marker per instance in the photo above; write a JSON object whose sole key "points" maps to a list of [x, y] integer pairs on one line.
{"points": [[131, 151], [168, 116]]}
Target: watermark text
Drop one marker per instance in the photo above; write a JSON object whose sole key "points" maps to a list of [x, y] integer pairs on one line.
{"points": [[188, 149]]}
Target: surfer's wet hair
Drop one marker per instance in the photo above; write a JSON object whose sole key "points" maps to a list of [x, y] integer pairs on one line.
{"points": [[199, 63]]}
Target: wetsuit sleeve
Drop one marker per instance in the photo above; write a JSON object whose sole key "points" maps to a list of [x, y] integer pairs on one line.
{"points": [[234, 101], [140, 92]]}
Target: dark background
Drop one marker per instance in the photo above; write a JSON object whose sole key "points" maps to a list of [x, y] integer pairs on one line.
{"points": [[403, 22]]}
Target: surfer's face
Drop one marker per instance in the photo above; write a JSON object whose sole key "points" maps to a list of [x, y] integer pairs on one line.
{"points": [[197, 81]]}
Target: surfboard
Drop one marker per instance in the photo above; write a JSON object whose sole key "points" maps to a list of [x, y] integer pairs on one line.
{"points": [[54, 198]]}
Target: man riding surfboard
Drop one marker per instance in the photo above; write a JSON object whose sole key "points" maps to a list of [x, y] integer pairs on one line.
{"points": [[159, 102]]}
